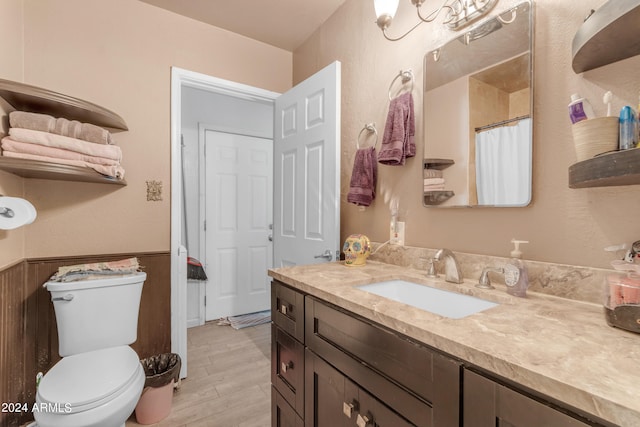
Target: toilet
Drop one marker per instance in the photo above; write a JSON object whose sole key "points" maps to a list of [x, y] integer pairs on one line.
{"points": [[99, 379]]}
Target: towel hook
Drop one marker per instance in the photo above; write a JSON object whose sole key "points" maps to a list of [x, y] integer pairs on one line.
{"points": [[514, 14], [406, 76], [371, 128]]}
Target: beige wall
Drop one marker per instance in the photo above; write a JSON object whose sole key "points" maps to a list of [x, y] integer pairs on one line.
{"points": [[12, 243], [563, 225], [118, 54]]}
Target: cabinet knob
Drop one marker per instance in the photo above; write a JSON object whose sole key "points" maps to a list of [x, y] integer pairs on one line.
{"points": [[285, 366], [283, 309], [363, 421], [348, 408]]}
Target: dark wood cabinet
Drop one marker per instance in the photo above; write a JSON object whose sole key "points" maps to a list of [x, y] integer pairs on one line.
{"points": [[333, 368], [418, 383], [333, 400], [282, 414], [488, 403]]}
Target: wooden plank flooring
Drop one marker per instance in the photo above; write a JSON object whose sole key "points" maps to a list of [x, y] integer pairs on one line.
{"points": [[228, 383]]}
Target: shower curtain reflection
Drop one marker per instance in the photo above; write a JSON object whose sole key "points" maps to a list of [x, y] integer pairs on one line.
{"points": [[503, 165]]}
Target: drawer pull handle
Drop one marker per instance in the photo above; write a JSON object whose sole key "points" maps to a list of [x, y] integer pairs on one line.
{"points": [[67, 297], [284, 308], [363, 421], [285, 366], [348, 408]]}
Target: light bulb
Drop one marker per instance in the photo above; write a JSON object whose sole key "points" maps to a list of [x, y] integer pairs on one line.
{"points": [[385, 7]]}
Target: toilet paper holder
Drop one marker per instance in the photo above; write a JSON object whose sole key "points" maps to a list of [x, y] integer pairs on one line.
{"points": [[6, 212], [15, 212]]}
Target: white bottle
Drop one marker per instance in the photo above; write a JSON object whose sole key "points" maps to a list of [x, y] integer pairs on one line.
{"points": [[516, 275], [580, 109]]}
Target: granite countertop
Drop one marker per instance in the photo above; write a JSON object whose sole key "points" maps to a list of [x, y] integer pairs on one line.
{"points": [[559, 347]]}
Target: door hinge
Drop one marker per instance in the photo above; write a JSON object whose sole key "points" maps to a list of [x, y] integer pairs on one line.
{"points": [[205, 300], [204, 224]]}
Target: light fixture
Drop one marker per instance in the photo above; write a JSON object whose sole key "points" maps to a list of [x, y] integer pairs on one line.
{"points": [[459, 13]]}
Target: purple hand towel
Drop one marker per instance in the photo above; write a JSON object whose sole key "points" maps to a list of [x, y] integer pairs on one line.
{"points": [[362, 189], [399, 132]]}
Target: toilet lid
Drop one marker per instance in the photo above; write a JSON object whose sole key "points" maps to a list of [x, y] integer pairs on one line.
{"points": [[84, 380]]}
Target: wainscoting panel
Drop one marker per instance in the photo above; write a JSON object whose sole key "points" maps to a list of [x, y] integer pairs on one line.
{"points": [[28, 333]]}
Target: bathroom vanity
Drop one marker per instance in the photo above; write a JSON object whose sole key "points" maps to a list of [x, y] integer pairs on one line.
{"points": [[342, 356]]}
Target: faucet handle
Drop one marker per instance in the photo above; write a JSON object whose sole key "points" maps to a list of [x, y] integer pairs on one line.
{"points": [[484, 282], [432, 269]]}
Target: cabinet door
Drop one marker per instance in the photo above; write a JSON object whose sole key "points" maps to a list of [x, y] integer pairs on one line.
{"points": [[489, 404], [337, 401], [282, 414], [324, 395]]}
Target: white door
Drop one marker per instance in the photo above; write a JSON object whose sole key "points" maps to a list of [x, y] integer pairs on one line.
{"points": [[307, 171], [239, 199]]}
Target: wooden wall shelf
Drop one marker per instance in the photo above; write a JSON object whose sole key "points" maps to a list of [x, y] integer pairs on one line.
{"points": [[607, 170], [439, 164], [33, 99], [25, 97], [609, 35]]}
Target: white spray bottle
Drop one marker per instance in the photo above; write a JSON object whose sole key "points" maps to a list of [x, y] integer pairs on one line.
{"points": [[516, 276]]}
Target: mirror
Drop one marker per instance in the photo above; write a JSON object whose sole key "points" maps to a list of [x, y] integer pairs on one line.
{"points": [[478, 104]]}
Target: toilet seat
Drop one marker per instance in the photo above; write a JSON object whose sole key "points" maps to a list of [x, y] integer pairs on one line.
{"points": [[84, 381]]}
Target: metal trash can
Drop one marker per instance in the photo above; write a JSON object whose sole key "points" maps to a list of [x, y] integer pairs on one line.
{"points": [[162, 372]]}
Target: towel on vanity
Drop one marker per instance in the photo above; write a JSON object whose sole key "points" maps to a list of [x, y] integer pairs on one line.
{"points": [[399, 132], [72, 128], [362, 189]]}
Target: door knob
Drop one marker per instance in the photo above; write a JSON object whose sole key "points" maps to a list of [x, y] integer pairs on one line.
{"points": [[326, 254]]}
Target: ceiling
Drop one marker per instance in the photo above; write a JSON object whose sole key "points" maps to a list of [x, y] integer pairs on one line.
{"points": [[282, 23]]}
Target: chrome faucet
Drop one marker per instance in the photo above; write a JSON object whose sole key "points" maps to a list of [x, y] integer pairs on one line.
{"points": [[452, 271], [484, 282]]}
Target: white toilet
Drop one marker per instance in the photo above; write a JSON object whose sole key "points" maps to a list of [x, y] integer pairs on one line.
{"points": [[99, 380]]}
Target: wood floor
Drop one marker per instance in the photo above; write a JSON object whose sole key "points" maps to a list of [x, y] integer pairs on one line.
{"points": [[228, 383]]}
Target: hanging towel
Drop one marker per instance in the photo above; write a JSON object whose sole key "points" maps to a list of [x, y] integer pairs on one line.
{"points": [[362, 189], [399, 132]]}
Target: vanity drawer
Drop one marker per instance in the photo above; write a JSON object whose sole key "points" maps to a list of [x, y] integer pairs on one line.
{"points": [[282, 414], [287, 309], [287, 368], [417, 382]]}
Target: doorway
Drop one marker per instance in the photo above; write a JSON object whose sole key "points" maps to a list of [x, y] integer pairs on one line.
{"points": [[310, 114]]}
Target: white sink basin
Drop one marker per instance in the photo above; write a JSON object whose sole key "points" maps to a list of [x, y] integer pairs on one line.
{"points": [[437, 301]]}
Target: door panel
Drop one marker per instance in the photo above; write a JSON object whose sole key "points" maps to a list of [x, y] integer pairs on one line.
{"points": [[307, 184], [239, 199]]}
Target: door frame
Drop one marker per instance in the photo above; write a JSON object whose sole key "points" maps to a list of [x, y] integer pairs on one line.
{"points": [[184, 78]]}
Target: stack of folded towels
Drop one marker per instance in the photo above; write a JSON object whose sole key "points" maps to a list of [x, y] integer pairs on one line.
{"points": [[433, 180], [41, 137]]}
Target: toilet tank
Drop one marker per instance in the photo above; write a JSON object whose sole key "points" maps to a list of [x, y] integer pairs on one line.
{"points": [[96, 314]]}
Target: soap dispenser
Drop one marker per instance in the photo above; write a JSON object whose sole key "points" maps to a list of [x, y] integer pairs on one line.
{"points": [[516, 276]]}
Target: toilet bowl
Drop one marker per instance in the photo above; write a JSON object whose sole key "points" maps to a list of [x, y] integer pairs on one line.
{"points": [[95, 389], [99, 379]]}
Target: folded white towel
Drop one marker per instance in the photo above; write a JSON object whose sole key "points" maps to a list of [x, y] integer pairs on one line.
{"points": [[432, 181], [432, 173], [434, 187]]}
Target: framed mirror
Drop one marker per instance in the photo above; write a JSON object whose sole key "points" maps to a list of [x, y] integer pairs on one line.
{"points": [[478, 105]]}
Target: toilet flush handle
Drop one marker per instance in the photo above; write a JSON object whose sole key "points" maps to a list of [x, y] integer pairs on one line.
{"points": [[67, 297]]}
